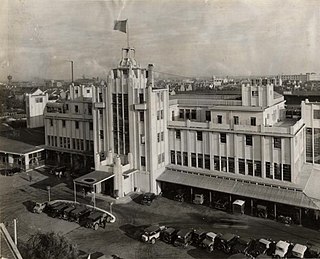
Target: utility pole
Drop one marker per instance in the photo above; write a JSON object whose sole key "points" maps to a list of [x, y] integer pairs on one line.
{"points": [[15, 231]]}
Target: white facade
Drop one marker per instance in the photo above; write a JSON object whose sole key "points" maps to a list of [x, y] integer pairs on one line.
{"points": [[35, 105]]}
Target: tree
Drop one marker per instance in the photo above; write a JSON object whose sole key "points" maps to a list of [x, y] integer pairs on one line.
{"points": [[50, 246]]}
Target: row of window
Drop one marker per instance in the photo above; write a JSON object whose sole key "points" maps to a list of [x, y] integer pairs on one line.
{"points": [[76, 123], [70, 143], [227, 164], [160, 158], [223, 138], [160, 115], [160, 136]]}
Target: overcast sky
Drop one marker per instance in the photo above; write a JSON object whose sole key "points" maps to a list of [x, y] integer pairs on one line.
{"points": [[191, 38]]}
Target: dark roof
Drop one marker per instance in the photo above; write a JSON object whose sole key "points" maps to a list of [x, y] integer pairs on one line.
{"points": [[17, 147]]}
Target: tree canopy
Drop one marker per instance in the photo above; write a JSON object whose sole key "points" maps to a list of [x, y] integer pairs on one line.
{"points": [[50, 245]]}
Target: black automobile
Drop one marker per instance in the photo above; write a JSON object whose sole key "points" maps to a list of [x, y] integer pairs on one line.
{"points": [[242, 246], [184, 237], [57, 170], [67, 211], [95, 220], [226, 242], [50, 206], [221, 204], [147, 198], [261, 247], [169, 235], [58, 211], [78, 214], [198, 236], [180, 196]]}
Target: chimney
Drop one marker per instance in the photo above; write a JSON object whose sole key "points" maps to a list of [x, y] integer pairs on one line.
{"points": [[150, 75]]}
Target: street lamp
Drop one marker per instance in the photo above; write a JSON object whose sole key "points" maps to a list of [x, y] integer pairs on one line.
{"points": [[75, 191], [111, 203], [49, 192]]}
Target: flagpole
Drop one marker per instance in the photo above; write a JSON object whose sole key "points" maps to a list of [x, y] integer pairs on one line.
{"points": [[128, 33]]}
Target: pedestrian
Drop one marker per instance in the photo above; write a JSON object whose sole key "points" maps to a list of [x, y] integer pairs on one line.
{"points": [[30, 177], [83, 192]]}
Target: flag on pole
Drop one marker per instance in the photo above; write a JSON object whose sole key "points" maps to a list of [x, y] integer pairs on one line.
{"points": [[120, 25]]}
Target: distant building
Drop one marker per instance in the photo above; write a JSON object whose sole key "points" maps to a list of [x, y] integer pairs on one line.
{"points": [[36, 102]]}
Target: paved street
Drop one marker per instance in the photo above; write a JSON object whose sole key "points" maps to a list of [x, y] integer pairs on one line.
{"points": [[122, 237]]}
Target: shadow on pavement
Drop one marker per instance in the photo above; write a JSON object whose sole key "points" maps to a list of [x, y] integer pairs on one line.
{"points": [[137, 198], [132, 231], [29, 205], [200, 253]]}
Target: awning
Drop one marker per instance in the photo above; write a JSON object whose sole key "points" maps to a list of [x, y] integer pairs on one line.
{"points": [[255, 191], [93, 178]]}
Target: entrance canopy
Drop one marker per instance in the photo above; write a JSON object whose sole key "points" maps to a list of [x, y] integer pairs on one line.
{"points": [[93, 178], [240, 188]]}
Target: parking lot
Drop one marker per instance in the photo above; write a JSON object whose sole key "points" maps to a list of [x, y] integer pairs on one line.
{"points": [[123, 237]]}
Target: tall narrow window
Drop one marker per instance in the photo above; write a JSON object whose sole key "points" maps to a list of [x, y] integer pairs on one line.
{"points": [[219, 117], [216, 163], [207, 162], [187, 114], [257, 168], [277, 142], [76, 108], [193, 160], [193, 114], [287, 172], [248, 140], [141, 116], [51, 122], [141, 98], [223, 138], [268, 170], [236, 120], [77, 124], [231, 164], [101, 134], [208, 116], [143, 161], [253, 121], [223, 164], [185, 158], [63, 123], [181, 114], [277, 171], [178, 158], [200, 160], [178, 134], [250, 167], [199, 135], [173, 157]]}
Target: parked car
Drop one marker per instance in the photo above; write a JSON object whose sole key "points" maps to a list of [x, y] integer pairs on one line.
{"points": [[147, 198], [282, 249], [226, 242], [198, 236], [180, 196], [242, 246], [198, 199], [298, 250], [67, 211], [152, 233], [262, 246], [312, 253], [58, 210], [96, 219], [184, 237], [262, 211], [79, 213], [50, 206], [57, 170], [285, 219], [168, 235], [221, 204], [39, 207], [209, 242]]}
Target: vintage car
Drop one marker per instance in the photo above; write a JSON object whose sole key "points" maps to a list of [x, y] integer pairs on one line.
{"points": [[168, 235], [57, 211], [226, 242], [221, 204], [242, 246], [78, 214], [262, 246], [209, 242], [147, 198], [67, 211], [298, 251], [184, 238], [95, 220], [198, 236], [282, 249], [58, 171], [39, 207], [152, 233], [198, 199], [180, 196]]}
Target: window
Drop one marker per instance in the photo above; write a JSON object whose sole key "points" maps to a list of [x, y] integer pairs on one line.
{"points": [[63, 123], [162, 136], [143, 161], [38, 99], [101, 134], [208, 116], [219, 117], [159, 159], [257, 168], [194, 114], [158, 115], [141, 98], [268, 170], [88, 91], [185, 158], [141, 116], [216, 163], [250, 167], [248, 140], [231, 164], [77, 124], [223, 164], [287, 172], [142, 139], [253, 121], [173, 157], [51, 122], [90, 126], [161, 114], [76, 108], [188, 114], [76, 91], [207, 162], [181, 114], [200, 160], [316, 114], [100, 111], [277, 171], [235, 120], [223, 138], [100, 98], [242, 168], [67, 107], [178, 134], [89, 108], [158, 137], [255, 93], [309, 146], [193, 160], [277, 142], [199, 135], [178, 158]]}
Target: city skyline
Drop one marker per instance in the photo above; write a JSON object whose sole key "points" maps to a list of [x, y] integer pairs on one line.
{"points": [[190, 38]]}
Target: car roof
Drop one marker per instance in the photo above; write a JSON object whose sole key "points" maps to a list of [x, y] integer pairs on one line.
{"points": [[211, 234], [170, 230], [78, 210], [282, 244], [199, 231], [228, 236], [69, 209], [151, 228], [299, 248], [184, 232], [264, 241], [95, 215]]}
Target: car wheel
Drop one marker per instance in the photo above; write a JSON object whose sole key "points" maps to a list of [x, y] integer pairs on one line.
{"points": [[153, 241], [96, 226]]}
